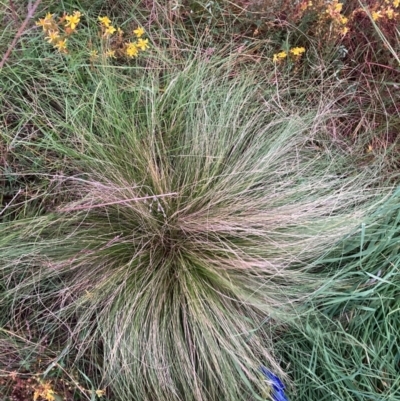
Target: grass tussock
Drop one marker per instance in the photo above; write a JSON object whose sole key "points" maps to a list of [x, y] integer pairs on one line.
{"points": [[192, 208], [173, 222]]}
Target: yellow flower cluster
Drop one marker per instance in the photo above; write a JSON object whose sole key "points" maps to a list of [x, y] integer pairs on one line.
{"points": [[121, 47], [388, 11], [106, 26], [305, 4], [44, 391], [295, 52], [116, 43], [339, 21], [132, 48], [332, 20], [57, 32], [279, 56]]}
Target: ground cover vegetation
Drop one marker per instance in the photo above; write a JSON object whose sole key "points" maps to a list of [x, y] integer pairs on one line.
{"points": [[196, 193]]}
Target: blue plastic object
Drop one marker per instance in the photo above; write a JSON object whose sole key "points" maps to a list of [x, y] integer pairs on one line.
{"points": [[278, 388]]}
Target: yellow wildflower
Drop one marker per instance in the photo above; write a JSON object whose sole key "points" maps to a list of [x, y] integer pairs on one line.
{"points": [[297, 51], [303, 6], [376, 15], [142, 44], [343, 20], [390, 13], [61, 45], [109, 30], [105, 21], [338, 7], [344, 30], [279, 56], [334, 9], [396, 3], [93, 54], [131, 50], [72, 20], [46, 22], [100, 393], [43, 23], [52, 36], [44, 391], [110, 53], [139, 32], [120, 31]]}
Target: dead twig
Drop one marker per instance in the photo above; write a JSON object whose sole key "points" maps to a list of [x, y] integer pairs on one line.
{"points": [[92, 206], [31, 12]]}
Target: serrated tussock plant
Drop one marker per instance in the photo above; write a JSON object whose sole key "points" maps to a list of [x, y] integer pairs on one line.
{"points": [[192, 208]]}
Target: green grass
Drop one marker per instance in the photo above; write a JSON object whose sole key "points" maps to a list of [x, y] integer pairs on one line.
{"points": [[345, 344], [170, 225]]}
